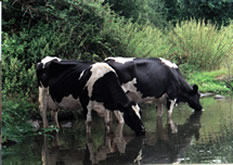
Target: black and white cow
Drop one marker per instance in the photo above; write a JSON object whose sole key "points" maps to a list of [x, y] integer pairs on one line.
{"points": [[67, 84], [155, 80]]}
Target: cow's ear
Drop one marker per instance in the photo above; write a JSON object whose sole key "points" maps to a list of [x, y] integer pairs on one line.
{"points": [[195, 88]]}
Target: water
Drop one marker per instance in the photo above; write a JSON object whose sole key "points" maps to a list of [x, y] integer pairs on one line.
{"points": [[200, 138]]}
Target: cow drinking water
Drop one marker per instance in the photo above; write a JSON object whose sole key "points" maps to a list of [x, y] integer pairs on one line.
{"points": [[67, 84], [155, 80]]}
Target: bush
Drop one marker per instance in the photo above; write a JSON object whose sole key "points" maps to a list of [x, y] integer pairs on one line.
{"points": [[149, 11], [15, 115], [218, 12], [78, 30], [72, 33]]}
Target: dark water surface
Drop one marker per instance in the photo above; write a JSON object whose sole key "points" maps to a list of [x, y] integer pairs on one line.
{"points": [[205, 137]]}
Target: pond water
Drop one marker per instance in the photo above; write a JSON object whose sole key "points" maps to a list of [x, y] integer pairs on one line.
{"points": [[205, 137]]}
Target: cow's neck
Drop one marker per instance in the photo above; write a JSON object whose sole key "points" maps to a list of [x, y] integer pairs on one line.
{"points": [[184, 90]]}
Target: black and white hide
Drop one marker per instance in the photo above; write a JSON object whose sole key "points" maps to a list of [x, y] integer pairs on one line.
{"points": [[95, 86], [155, 80]]}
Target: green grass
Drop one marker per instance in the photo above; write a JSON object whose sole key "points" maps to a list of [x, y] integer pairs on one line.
{"points": [[212, 81]]}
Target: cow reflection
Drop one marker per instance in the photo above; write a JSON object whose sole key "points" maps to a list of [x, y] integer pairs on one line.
{"points": [[115, 147], [164, 147], [113, 144], [159, 148], [167, 147]]}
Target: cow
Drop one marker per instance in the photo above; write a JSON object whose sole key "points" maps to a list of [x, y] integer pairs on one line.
{"points": [[155, 80], [46, 102], [95, 86]]}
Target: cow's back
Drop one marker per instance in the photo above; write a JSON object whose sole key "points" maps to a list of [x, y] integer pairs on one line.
{"points": [[104, 87], [147, 77]]}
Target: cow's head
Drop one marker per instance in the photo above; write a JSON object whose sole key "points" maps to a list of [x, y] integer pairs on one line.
{"points": [[42, 70], [193, 98], [132, 117]]}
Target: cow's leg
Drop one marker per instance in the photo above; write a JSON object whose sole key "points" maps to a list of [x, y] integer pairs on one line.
{"points": [[172, 105], [45, 151], [54, 114], [108, 121], [43, 101], [172, 126], [56, 119], [89, 118], [119, 116], [169, 118], [159, 110], [91, 150], [119, 139], [108, 145]]}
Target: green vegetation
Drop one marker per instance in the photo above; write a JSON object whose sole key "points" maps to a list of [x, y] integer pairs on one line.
{"points": [[200, 45], [214, 81], [15, 115], [88, 30]]}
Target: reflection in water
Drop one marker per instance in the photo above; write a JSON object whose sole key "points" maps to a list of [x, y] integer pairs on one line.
{"points": [[165, 147], [168, 147], [213, 128], [57, 155], [114, 149]]}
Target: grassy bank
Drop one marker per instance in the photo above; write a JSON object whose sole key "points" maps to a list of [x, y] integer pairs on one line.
{"points": [[217, 81]]}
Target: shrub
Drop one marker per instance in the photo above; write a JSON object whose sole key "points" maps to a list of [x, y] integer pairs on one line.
{"points": [[148, 11], [15, 115], [78, 30], [218, 12], [71, 33]]}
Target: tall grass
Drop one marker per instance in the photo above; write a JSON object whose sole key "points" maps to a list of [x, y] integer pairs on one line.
{"points": [[134, 39], [228, 63], [200, 45], [194, 45], [146, 41]]}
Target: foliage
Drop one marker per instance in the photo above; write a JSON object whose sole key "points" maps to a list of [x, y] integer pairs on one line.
{"points": [[136, 40], [210, 81], [15, 115], [216, 11], [128, 9], [73, 32], [160, 12], [228, 63], [91, 30], [72, 27], [148, 11], [16, 121], [199, 45]]}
